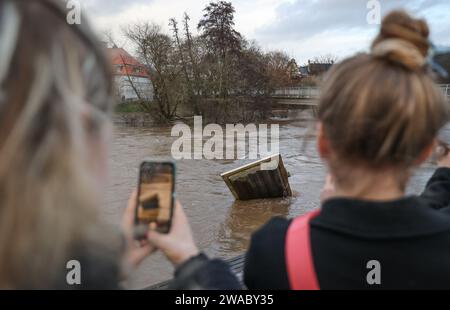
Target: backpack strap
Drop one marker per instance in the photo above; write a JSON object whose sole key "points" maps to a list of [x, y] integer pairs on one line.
{"points": [[299, 259]]}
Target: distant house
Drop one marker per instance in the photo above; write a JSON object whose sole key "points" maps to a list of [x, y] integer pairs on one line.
{"points": [[314, 69], [304, 72], [444, 61], [132, 78]]}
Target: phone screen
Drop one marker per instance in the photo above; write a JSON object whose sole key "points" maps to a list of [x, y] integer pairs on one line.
{"points": [[155, 197]]}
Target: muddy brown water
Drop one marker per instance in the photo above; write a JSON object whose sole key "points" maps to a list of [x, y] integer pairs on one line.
{"points": [[221, 226]]}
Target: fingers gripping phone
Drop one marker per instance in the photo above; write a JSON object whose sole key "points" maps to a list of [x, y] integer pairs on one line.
{"points": [[155, 198]]}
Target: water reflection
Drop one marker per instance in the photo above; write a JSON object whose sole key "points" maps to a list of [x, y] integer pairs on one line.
{"points": [[244, 218]]}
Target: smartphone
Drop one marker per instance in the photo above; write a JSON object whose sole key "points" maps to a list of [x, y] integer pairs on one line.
{"points": [[155, 198]]}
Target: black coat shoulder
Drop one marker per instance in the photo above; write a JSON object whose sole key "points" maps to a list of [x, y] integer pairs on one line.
{"points": [[437, 190], [265, 266]]}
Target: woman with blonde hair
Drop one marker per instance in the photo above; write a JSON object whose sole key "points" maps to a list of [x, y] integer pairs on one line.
{"points": [[379, 116], [55, 98]]}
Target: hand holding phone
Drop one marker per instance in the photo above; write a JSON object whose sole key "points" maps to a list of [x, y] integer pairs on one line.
{"points": [[155, 198], [178, 245], [135, 252], [159, 219]]}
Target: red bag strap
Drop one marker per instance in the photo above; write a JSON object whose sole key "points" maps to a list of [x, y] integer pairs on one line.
{"points": [[299, 259]]}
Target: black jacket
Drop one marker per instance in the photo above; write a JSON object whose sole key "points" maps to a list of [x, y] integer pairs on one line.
{"points": [[409, 237]]}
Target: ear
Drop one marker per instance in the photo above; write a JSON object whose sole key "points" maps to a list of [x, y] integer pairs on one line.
{"points": [[426, 153], [323, 145]]}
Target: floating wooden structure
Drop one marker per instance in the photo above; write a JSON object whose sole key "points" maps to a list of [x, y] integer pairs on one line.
{"points": [[150, 207], [265, 178]]}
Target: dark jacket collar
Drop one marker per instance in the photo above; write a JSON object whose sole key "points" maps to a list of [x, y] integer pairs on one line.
{"points": [[407, 217]]}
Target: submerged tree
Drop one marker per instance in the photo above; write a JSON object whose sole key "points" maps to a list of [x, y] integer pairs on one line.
{"points": [[192, 51], [155, 49], [217, 27], [277, 63], [217, 74], [222, 41], [187, 62]]}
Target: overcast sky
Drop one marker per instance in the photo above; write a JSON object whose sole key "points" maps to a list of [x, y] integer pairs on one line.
{"points": [[302, 28]]}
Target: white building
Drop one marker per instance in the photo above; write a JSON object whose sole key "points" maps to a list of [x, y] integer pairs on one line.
{"points": [[133, 81]]}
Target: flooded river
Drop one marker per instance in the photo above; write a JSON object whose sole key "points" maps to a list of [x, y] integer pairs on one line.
{"points": [[221, 226]]}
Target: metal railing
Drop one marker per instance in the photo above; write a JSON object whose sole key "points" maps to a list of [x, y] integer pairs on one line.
{"points": [[445, 89], [297, 92], [313, 92]]}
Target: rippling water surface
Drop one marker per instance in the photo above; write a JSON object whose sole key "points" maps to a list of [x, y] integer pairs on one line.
{"points": [[221, 226]]}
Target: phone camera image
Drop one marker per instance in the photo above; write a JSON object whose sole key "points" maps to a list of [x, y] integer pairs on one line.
{"points": [[155, 197]]}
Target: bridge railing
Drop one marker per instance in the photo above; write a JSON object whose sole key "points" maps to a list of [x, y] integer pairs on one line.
{"points": [[445, 89], [314, 92], [297, 92]]}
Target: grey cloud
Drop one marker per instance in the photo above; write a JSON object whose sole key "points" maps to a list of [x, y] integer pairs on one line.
{"points": [[106, 7], [306, 18]]}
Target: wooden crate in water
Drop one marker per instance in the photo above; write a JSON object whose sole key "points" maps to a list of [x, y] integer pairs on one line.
{"points": [[253, 182]]}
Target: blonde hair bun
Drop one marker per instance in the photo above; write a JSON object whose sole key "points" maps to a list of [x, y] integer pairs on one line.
{"points": [[403, 40]]}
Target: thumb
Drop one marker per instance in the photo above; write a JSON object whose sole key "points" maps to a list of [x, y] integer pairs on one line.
{"points": [[157, 239]]}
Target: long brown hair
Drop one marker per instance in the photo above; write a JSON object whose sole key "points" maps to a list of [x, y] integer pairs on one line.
{"points": [[381, 110], [55, 94]]}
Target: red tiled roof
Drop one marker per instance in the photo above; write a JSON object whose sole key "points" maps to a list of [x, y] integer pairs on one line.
{"points": [[125, 64]]}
